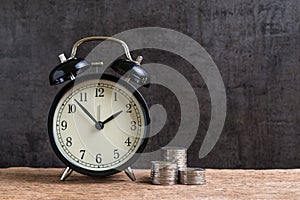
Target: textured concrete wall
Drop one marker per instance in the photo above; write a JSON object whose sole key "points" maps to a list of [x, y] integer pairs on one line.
{"points": [[255, 44]]}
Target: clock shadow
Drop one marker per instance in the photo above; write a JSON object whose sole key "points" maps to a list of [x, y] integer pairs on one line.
{"points": [[52, 177]]}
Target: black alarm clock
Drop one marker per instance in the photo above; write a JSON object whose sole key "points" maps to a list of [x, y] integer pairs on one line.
{"points": [[98, 124]]}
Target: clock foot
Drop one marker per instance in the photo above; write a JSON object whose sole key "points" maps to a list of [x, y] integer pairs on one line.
{"points": [[67, 172], [130, 174]]}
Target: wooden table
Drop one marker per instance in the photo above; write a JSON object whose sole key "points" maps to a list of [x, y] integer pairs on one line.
{"points": [[30, 183]]}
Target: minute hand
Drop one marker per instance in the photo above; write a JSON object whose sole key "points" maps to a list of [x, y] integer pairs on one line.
{"points": [[112, 117], [86, 112]]}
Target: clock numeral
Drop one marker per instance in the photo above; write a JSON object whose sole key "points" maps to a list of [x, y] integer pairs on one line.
{"points": [[127, 141], [116, 154], [116, 99], [99, 92], [133, 125], [72, 108], [69, 141], [83, 97], [128, 106], [82, 153], [64, 125], [98, 158]]}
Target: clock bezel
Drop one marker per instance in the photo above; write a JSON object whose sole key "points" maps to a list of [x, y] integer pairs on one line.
{"points": [[116, 80]]}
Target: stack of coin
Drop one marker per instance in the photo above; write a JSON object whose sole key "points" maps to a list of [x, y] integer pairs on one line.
{"points": [[192, 176], [175, 154], [164, 173]]}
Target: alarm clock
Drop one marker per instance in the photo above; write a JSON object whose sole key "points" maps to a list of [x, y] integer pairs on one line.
{"points": [[98, 124]]}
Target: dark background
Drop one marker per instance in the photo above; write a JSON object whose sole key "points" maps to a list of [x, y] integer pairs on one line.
{"points": [[255, 44]]}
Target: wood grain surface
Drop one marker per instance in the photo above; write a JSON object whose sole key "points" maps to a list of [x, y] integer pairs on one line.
{"points": [[43, 183]]}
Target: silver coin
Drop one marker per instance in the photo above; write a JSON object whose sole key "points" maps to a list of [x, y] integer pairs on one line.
{"points": [[192, 176], [175, 154], [163, 173]]}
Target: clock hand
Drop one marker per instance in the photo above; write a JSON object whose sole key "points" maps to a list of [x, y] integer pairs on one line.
{"points": [[98, 112], [86, 112], [112, 117]]}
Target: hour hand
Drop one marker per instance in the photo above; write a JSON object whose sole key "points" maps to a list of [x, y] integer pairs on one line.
{"points": [[86, 111], [112, 117]]}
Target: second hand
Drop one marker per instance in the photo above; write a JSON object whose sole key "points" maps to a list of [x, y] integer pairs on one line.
{"points": [[98, 112]]}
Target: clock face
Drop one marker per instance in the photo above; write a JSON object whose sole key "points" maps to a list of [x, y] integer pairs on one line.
{"points": [[97, 126]]}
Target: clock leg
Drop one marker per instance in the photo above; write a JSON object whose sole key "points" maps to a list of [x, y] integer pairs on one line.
{"points": [[130, 174], [67, 172]]}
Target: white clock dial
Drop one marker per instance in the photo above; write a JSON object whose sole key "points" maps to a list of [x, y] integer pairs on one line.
{"points": [[98, 125]]}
